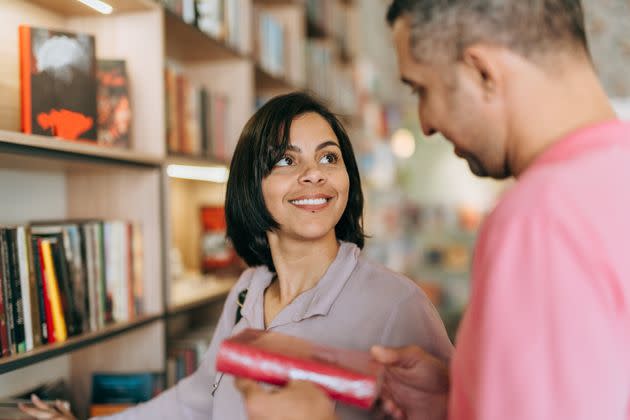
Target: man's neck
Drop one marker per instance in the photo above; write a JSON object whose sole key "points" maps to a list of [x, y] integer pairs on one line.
{"points": [[556, 108]]}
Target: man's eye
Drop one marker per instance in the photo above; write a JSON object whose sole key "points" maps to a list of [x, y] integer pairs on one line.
{"points": [[285, 161]]}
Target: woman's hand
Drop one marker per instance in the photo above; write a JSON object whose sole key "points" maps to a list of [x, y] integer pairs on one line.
{"points": [[59, 410], [297, 401], [416, 384]]}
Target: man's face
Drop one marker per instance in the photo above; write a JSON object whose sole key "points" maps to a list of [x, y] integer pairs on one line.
{"points": [[454, 101]]}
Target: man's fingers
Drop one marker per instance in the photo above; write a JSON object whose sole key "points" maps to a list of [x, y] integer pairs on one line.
{"points": [[386, 356]]}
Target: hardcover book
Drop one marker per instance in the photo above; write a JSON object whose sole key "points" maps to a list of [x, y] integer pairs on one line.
{"points": [[58, 83], [114, 106], [349, 376]]}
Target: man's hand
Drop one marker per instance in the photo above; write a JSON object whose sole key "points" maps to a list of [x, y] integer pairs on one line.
{"points": [[297, 401], [416, 384]]}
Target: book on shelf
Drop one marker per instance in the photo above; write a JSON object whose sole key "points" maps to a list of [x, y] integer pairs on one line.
{"points": [[62, 279], [114, 392], [58, 83], [270, 43], [216, 251], [186, 352], [114, 105], [348, 376], [196, 118]]}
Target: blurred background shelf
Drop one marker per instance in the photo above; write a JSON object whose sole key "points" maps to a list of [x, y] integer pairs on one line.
{"points": [[198, 290]]}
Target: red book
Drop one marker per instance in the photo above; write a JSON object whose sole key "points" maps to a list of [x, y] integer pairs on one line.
{"points": [[349, 376], [48, 309]]}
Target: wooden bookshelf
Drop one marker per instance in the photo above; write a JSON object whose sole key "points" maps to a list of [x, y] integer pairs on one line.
{"points": [[50, 178], [49, 147], [176, 159], [267, 81], [75, 8], [196, 292], [49, 351], [185, 42]]}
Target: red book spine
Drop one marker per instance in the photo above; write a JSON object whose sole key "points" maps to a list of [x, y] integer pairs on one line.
{"points": [[25, 76], [49, 318], [253, 363]]}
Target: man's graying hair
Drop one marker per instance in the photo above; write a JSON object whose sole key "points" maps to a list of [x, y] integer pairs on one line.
{"points": [[529, 27]]}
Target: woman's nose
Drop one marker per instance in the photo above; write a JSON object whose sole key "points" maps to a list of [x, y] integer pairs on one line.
{"points": [[312, 175]]}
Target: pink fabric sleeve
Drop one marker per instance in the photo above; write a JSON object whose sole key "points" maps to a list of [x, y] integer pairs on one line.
{"points": [[542, 338]]}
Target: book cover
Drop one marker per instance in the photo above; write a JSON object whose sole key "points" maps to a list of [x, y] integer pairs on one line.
{"points": [[9, 301], [58, 83], [18, 303], [31, 313], [61, 252], [4, 339], [40, 280], [346, 375], [114, 106], [130, 388], [52, 287]]}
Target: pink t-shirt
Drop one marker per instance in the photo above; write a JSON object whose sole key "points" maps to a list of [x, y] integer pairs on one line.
{"points": [[547, 331]]}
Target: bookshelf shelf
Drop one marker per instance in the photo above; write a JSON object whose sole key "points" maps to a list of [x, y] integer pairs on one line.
{"points": [[189, 160], [267, 81], [194, 293], [73, 343], [35, 145], [187, 43], [75, 8]]}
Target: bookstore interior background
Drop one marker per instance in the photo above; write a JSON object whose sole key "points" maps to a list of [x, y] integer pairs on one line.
{"points": [[117, 123]]}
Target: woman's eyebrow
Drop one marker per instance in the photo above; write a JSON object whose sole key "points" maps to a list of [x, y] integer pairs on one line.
{"points": [[327, 143]]}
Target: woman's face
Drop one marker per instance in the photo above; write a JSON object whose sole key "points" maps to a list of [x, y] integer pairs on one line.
{"points": [[307, 190]]}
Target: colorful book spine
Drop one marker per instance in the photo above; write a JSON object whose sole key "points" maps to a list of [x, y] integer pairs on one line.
{"points": [[59, 322]]}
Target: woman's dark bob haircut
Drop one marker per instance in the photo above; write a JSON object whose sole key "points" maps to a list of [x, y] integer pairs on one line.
{"points": [[262, 144]]}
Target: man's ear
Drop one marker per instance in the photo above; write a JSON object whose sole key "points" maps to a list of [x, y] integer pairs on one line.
{"points": [[482, 61]]}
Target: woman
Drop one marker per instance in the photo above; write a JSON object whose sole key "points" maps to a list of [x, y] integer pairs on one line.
{"points": [[294, 214]]}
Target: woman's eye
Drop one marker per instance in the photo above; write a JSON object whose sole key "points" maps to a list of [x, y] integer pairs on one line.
{"points": [[285, 161], [329, 158]]}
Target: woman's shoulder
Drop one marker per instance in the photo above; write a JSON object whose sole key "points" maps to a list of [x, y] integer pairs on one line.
{"points": [[372, 274]]}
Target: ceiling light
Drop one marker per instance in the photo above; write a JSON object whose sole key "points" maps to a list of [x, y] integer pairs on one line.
{"points": [[98, 5], [218, 174]]}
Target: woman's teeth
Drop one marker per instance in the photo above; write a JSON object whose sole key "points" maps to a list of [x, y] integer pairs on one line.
{"points": [[309, 202]]}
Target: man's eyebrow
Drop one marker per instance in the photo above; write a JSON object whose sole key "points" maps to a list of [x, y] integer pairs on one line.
{"points": [[407, 81]]}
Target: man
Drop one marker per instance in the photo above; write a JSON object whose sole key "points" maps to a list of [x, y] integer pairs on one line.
{"points": [[511, 85]]}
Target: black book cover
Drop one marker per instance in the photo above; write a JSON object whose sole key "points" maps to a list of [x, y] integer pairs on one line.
{"points": [[18, 304], [8, 291], [4, 305], [37, 268], [58, 83]]}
